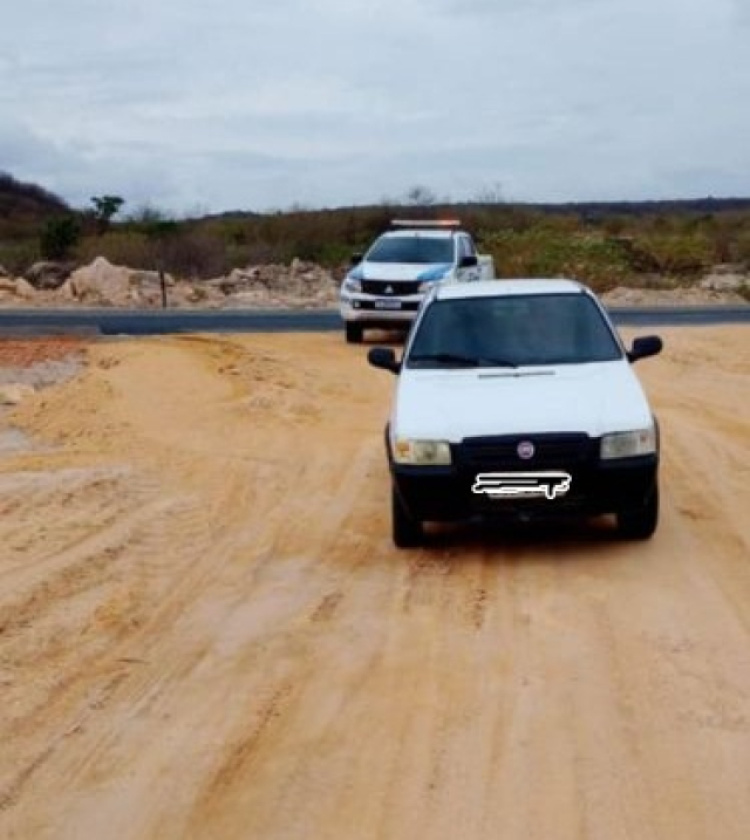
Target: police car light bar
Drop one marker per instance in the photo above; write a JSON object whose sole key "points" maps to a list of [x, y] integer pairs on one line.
{"points": [[426, 223]]}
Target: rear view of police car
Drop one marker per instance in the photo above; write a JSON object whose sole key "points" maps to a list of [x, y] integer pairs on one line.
{"points": [[517, 399]]}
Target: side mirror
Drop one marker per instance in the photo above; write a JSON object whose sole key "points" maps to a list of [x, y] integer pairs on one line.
{"points": [[384, 357], [468, 261], [647, 345], [356, 258]]}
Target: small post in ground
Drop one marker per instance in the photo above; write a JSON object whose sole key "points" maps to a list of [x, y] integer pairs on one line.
{"points": [[163, 284]]}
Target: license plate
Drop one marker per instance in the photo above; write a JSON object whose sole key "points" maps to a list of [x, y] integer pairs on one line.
{"points": [[502, 485], [387, 304]]}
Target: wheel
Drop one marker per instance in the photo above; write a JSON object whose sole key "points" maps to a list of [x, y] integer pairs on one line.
{"points": [[407, 532], [354, 332], [640, 523]]}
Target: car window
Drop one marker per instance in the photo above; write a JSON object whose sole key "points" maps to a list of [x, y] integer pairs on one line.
{"points": [[467, 247], [411, 249], [514, 329]]}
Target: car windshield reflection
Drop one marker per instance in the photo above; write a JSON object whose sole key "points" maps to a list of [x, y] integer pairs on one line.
{"points": [[412, 249], [511, 331]]}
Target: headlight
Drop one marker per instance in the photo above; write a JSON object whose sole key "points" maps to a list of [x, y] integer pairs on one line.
{"points": [[351, 285], [422, 452], [629, 444], [424, 287]]}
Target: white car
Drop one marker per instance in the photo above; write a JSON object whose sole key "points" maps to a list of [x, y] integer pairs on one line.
{"points": [[517, 398], [386, 285]]}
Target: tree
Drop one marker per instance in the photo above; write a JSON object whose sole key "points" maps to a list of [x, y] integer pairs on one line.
{"points": [[59, 236], [155, 223], [492, 194], [105, 207], [420, 196]]}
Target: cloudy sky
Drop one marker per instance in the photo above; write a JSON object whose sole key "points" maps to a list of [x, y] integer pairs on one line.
{"points": [[247, 104]]}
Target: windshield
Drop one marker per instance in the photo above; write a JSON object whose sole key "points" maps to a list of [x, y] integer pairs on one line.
{"points": [[411, 249], [513, 330]]}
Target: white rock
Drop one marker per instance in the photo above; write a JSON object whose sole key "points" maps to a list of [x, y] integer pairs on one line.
{"points": [[24, 289], [67, 291], [14, 392], [723, 282], [102, 282], [19, 287]]}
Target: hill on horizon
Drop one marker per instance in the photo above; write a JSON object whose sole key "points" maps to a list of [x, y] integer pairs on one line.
{"points": [[27, 201]]}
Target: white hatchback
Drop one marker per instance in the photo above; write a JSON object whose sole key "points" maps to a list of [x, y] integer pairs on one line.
{"points": [[517, 398]]}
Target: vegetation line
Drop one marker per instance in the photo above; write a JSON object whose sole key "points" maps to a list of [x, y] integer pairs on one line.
{"points": [[662, 244]]}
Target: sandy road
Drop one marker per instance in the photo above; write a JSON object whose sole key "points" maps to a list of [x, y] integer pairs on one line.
{"points": [[206, 633]]}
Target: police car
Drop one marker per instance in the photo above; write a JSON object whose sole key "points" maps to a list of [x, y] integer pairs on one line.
{"points": [[386, 285], [517, 399]]}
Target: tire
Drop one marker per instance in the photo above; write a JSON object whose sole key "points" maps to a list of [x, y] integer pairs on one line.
{"points": [[354, 332], [640, 523], [407, 532]]}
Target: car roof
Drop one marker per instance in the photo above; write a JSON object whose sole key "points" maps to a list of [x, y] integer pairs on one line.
{"points": [[511, 286]]}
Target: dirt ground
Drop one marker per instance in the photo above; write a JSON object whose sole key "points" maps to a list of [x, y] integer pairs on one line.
{"points": [[205, 631]]}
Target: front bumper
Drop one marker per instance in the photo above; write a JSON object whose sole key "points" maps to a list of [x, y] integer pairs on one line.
{"points": [[596, 487], [370, 309]]}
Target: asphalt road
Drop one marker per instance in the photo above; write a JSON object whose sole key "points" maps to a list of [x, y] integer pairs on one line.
{"points": [[160, 322]]}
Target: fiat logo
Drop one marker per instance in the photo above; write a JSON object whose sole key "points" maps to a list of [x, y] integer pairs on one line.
{"points": [[525, 450]]}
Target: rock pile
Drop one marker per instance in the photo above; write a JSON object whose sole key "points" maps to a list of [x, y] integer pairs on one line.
{"points": [[102, 284], [697, 295], [301, 284]]}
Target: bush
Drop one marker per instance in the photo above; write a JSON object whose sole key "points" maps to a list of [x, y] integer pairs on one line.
{"points": [[16, 256], [193, 253], [59, 236], [741, 251], [680, 253], [540, 252], [121, 247]]}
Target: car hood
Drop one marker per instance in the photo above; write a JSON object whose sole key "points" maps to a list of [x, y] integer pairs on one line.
{"points": [[400, 271], [452, 404]]}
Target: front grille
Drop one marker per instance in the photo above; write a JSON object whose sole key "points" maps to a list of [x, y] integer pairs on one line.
{"points": [[396, 287], [406, 306], [574, 453], [552, 451]]}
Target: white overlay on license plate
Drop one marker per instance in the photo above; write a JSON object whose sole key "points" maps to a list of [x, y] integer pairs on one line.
{"points": [[498, 485]]}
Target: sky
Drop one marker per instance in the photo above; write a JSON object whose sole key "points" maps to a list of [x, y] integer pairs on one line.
{"points": [[193, 107]]}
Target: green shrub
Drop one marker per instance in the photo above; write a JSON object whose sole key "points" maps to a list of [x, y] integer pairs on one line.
{"points": [[59, 237], [120, 247], [17, 255], [680, 253], [541, 252], [741, 250], [193, 253]]}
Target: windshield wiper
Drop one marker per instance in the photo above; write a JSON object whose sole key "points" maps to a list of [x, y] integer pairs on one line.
{"points": [[492, 361], [446, 358], [464, 361]]}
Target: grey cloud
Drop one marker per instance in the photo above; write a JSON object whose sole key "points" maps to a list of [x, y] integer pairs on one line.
{"points": [[252, 105], [76, 171], [505, 8], [23, 151]]}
